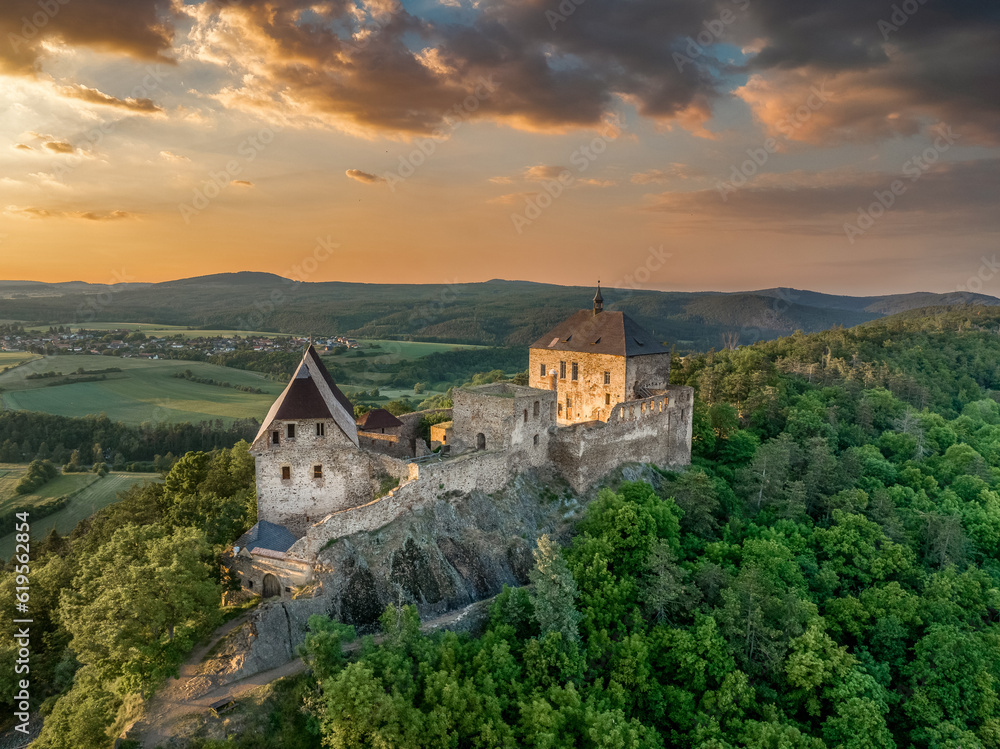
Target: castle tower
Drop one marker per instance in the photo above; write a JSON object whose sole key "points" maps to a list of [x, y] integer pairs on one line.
{"points": [[600, 359], [307, 440]]}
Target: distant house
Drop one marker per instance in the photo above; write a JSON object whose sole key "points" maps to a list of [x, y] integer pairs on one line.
{"points": [[381, 421]]}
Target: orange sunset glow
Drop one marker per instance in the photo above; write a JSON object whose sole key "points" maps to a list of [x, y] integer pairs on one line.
{"points": [[847, 147]]}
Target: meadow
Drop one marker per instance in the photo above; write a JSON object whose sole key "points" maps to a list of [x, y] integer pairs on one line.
{"points": [[144, 391], [89, 494], [158, 330], [13, 358]]}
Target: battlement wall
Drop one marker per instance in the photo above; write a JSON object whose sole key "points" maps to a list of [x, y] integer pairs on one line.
{"points": [[651, 430]]}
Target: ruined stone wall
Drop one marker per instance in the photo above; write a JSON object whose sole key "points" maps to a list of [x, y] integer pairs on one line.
{"points": [[589, 397], [653, 430], [251, 570], [508, 416], [651, 372], [487, 472]]}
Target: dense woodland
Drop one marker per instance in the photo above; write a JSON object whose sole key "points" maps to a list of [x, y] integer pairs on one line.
{"points": [[30, 435], [827, 574]]}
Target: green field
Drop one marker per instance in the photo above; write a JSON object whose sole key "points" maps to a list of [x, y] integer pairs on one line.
{"points": [[13, 358], [144, 391], [399, 350], [94, 493], [157, 330]]}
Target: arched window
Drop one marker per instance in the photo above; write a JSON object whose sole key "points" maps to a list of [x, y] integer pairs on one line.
{"points": [[480, 441], [525, 416], [536, 409]]}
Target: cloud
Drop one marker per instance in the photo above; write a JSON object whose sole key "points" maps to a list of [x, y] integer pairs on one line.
{"points": [[502, 180], [58, 146], [366, 177], [376, 68], [102, 215], [26, 212], [242, 183], [93, 96], [23, 147], [130, 27], [44, 213], [957, 194], [658, 176], [542, 172], [513, 197], [170, 156], [597, 182]]}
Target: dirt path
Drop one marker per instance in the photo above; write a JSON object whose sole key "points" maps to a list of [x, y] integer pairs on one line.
{"points": [[193, 692]]}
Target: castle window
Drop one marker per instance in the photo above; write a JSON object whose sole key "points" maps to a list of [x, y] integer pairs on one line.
{"points": [[562, 370], [536, 440], [607, 399], [560, 408], [250, 584], [291, 431], [320, 429], [275, 438], [541, 369], [536, 409], [480, 441], [286, 473], [576, 371], [569, 402], [525, 416], [317, 471], [607, 378]]}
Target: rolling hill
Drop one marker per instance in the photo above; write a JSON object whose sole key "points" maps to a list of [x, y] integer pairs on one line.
{"points": [[497, 312]]}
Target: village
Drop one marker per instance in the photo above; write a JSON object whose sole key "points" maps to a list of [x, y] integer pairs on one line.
{"points": [[130, 342]]}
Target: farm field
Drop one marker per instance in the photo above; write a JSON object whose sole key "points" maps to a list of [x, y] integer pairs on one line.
{"points": [[13, 358], [144, 391], [399, 350], [158, 330], [94, 494]]}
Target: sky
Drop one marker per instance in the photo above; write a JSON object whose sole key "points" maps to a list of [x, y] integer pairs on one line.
{"points": [[846, 147]]}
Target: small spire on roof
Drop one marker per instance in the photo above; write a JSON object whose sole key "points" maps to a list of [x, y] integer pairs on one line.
{"points": [[598, 300]]}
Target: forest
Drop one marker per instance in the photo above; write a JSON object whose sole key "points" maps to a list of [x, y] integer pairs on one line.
{"points": [[825, 574]]}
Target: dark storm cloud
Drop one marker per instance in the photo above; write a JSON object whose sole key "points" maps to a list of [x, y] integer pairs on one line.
{"points": [[560, 64], [131, 27]]}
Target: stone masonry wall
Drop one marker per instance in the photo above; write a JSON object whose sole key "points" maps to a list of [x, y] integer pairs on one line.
{"points": [[651, 372], [653, 430], [349, 476], [588, 395], [487, 471]]}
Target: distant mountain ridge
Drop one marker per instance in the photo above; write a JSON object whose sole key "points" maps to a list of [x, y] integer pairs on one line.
{"points": [[496, 312]]}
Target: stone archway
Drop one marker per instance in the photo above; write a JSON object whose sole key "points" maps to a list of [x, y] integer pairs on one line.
{"points": [[271, 586]]}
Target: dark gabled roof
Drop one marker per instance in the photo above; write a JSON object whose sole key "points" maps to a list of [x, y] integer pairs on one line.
{"points": [[312, 394], [341, 398], [604, 333], [265, 535], [379, 418]]}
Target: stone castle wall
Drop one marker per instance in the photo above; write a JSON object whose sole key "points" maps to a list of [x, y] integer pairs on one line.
{"points": [[349, 476], [519, 432], [651, 372], [487, 472], [590, 398], [652, 430]]}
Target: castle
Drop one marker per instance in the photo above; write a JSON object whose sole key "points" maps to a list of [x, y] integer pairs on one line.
{"points": [[598, 397]]}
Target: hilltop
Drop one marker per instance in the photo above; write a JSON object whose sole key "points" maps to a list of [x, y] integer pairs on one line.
{"points": [[496, 312]]}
